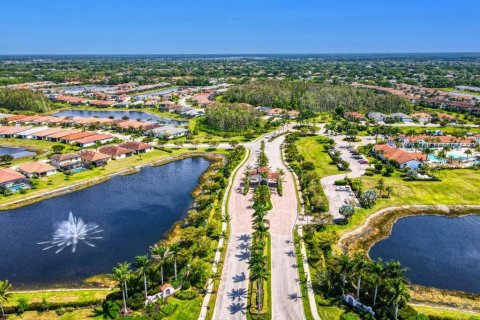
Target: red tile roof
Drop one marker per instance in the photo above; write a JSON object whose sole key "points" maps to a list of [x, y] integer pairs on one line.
{"points": [[135, 145], [35, 167], [7, 175], [399, 155], [115, 150]]}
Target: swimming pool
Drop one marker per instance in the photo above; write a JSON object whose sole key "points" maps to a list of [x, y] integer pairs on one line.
{"points": [[455, 155]]}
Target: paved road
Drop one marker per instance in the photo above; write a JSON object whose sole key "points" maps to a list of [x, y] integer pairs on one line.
{"points": [[286, 295], [337, 198], [232, 293]]}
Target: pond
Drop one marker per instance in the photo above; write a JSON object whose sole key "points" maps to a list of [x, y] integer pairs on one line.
{"points": [[132, 212], [16, 153], [440, 252], [118, 114]]}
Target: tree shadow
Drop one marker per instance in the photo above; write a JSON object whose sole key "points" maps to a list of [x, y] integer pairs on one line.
{"points": [[294, 266], [290, 253], [239, 277], [237, 294], [245, 237], [244, 246], [293, 296], [236, 307], [244, 255]]}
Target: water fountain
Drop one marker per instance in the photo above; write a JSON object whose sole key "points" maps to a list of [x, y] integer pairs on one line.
{"points": [[70, 232]]}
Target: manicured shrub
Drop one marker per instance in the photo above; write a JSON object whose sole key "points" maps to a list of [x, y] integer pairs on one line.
{"points": [[186, 295], [341, 182]]}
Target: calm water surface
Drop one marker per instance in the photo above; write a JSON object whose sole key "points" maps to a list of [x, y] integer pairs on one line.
{"points": [[117, 114], [16, 153], [441, 252], [133, 211]]}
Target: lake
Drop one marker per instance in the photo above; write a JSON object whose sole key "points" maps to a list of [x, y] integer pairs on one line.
{"points": [[16, 153], [133, 211], [441, 252], [118, 114]]}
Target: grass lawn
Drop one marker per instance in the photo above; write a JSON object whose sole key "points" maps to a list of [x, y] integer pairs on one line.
{"points": [[79, 314], [445, 313], [312, 149], [187, 309], [330, 313], [93, 296], [58, 180]]}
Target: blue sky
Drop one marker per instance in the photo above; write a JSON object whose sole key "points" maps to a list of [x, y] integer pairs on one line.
{"points": [[238, 26]]}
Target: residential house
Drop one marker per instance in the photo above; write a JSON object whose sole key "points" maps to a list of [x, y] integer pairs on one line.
{"points": [[93, 140], [293, 114], [36, 169], [67, 161], [376, 116], [168, 132], [422, 117], [11, 132], [116, 152], [399, 157], [401, 117], [13, 180], [57, 136], [76, 136], [91, 157], [136, 147], [29, 134], [275, 112], [354, 116]]}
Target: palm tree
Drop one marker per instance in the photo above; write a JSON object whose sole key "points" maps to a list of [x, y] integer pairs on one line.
{"points": [[398, 294], [359, 264], [5, 294], [389, 190], [260, 274], [160, 254], [175, 249], [121, 273], [142, 263], [375, 268], [344, 265]]}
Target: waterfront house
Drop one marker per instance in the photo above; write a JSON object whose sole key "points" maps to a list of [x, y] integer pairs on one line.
{"points": [[93, 140], [116, 152], [36, 169], [67, 161], [399, 157], [13, 180], [136, 147], [91, 157]]}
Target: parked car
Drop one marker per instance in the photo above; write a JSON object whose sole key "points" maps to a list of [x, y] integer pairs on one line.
{"points": [[363, 161], [342, 188]]}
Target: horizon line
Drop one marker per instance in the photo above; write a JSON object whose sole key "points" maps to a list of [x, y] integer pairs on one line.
{"points": [[238, 54]]}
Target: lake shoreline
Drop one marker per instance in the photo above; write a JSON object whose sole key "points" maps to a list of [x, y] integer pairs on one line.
{"points": [[28, 200], [379, 225]]}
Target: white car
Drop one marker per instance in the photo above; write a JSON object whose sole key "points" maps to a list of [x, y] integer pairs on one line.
{"points": [[342, 188]]}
